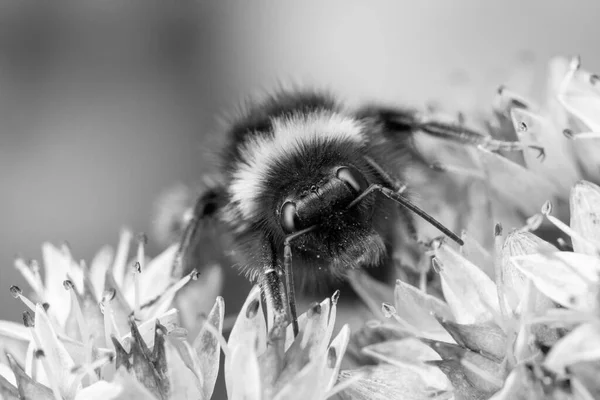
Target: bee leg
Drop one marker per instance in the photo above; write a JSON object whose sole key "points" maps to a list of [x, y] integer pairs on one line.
{"points": [[400, 188], [205, 208], [397, 196], [289, 275], [289, 281], [457, 132], [274, 290], [404, 122]]}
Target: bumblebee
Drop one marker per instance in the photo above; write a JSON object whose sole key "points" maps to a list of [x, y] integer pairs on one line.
{"points": [[304, 176]]}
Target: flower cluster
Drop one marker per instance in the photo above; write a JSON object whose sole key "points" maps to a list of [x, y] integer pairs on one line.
{"points": [[130, 343], [534, 333], [508, 317], [520, 315], [109, 330]]}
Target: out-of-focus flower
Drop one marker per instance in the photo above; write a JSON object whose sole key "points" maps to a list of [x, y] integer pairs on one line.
{"points": [[534, 333], [259, 365], [86, 317], [478, 187]]}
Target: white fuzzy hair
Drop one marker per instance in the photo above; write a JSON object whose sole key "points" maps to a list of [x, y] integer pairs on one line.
{"points": [[260, 152]]}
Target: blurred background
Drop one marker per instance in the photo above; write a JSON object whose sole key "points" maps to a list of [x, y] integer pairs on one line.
{"points": [[103, 106]]}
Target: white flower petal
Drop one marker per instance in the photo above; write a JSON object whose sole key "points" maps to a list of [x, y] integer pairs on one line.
{"points": [[335, 355], [585, 216], [183, 384], [320, 327], [420, 309], [156, 276], [524, 189], [402, 352], [567, 278], [101, 263], [557, 165], [386, 382], [303, 385], [470, 293], [243, 376], [249, 327], [9, 329], [100, 390], [208, 348], [514, 282], [170, 320], [197, 297], [6, 373], [581, 98], [582, 344], [57, 268], [56, 354]]}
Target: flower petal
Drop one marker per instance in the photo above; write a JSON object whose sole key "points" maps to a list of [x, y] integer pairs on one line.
{"points": [[303, 385], [385, 382], [208, 348], [402, 352], [197, 297], [487, 339], [148, 372], [170, 320], [557, 165], [250, 326], [244, 379], [121, 310], [581, 97], [514, 281], [585, 380], [420, 309], [8, 384], [335, 355], [315, 332], [101, 263], [58, 268], [183, 384], [129, 388], [156, 276], [206, 287], [464, 388], [585, 216], [56, 354], [564, 277], [470, 293], [525, 189], [27, 387], [100, 390], [582, 344], [482, 373]]}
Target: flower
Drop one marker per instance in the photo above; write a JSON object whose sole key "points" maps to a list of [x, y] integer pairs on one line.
{"points": [[527, 334], [89, 318], [259, 365]]}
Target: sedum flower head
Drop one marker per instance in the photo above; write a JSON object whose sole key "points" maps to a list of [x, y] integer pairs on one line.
{"points": [[109, 330], [532, 331]]}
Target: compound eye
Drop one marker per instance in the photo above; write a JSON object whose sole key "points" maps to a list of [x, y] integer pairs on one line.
{"points": [[352, 178], [288, 217]]}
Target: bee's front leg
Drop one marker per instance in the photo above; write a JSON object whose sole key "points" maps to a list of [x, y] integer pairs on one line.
{"points": [[274, 291]]}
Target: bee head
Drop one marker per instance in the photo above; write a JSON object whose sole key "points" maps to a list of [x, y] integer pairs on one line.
{"points": [[322, 201], [343, 237]]}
